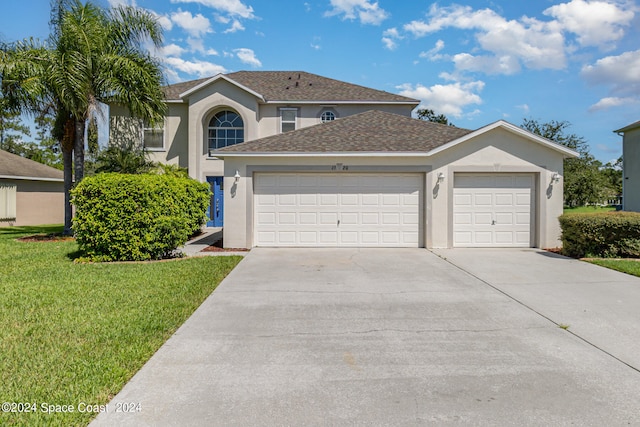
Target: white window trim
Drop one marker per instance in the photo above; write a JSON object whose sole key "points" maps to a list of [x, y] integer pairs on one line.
{"points": [[164, 136], [295, 121]]}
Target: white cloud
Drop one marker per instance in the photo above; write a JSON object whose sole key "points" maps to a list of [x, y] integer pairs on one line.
{"points": [[505, 64], [530, 42], [389, 38], [172, 50], [222, 19], [316, 46], [199, 68], [116, 3], [195, 44], [165, 22], [232, 7], [433, 54], [612, 102], [596, 23], [621, 71], [196, 25], [236, 26], [366, 11], [524, 107], [212, 52], [248, 56], [449, 99]]}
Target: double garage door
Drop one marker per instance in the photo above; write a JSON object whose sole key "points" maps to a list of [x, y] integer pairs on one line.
{"points": [[337, 209], [493, 210]]}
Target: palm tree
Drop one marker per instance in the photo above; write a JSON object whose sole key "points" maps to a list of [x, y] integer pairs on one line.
{"points": [[93, 56]]}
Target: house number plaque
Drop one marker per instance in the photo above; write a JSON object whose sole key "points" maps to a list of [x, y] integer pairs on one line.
{"points": [[339, 167]]}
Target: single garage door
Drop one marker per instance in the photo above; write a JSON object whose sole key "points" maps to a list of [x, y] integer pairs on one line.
{"points": [[337, 209], [493, 210]]}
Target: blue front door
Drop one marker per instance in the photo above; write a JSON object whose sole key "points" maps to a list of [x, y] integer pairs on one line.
{"points": [[215, 213]]}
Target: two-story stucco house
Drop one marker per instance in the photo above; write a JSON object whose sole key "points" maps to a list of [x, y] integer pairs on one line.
{"points": [[630, 166], [227, 109], [296, 159]]}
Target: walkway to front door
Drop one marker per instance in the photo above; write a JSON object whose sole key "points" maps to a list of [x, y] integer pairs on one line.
{"points": [[215, 213]]}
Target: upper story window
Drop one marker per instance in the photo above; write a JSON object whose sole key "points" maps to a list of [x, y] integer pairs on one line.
{"points": [[288, 118], [327, 116], [152, 137], [225, 128]]}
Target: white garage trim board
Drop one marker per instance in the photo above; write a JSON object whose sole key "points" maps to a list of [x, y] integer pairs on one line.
{"points": [[338, 209]]}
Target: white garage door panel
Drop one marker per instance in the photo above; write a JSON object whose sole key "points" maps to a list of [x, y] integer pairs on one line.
{"points": [[337, 209], [493, 210]]}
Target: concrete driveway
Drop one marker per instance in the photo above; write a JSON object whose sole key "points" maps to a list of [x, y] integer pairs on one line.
{"points": [[399, 337]]}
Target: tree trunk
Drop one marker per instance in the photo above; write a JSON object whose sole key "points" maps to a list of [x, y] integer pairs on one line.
{"points": [[78, 150], [68, 182]]}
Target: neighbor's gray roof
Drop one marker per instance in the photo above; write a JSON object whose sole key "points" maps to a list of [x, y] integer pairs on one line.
{"points": [[295, 86], [12, 165], [629, 127], [372, 131]]}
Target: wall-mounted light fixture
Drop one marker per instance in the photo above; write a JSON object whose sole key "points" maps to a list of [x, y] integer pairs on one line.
{"points": [[555, 177], [237, 175], [440, 177]]}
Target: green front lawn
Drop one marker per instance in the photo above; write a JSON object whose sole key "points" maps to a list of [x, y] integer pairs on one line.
{"points": [[590, 209], [72, 333], [626, 266]]}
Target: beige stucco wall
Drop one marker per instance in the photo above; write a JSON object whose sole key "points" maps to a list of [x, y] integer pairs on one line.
{"points": [[37, 203], [631, 177], [496, 151]]}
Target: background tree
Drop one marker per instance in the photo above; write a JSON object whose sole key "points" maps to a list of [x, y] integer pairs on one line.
{"points": [[584, 183], [12, 130], [430, 116], [93, 56]]}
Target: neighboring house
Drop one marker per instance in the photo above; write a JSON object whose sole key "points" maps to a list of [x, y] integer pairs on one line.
{"points": [[30, 193], [630, 166], [227, 109], [297, 159]]}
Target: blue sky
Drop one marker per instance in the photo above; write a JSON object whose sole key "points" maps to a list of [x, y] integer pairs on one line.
{"points": [[474, 61]]}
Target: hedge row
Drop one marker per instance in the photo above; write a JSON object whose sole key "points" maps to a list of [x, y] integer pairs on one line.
{"points": [[136, 217], [610, 234]]}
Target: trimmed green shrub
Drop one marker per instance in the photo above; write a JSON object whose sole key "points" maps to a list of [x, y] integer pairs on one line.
{"points": [[607, 234], [123, 217]]}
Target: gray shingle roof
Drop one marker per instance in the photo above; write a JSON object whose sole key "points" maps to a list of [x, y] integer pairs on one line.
{"points": [[296, 86], [16, 166], [372, 131]]}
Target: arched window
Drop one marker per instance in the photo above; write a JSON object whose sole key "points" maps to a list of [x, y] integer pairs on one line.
{"points": [[225, 128], [327, 116]]}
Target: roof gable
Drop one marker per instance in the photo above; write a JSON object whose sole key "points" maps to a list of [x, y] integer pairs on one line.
{"points": [[214, 79], [292, 86], [16, 167], [567, 152]]}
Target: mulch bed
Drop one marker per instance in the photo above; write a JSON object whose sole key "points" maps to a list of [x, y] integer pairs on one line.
{"points": [[56, 237], [218, 247]]}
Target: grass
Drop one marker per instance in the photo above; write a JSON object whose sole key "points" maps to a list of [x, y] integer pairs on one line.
{"points": [[623, 265], [590, 209], [72, 333]]}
